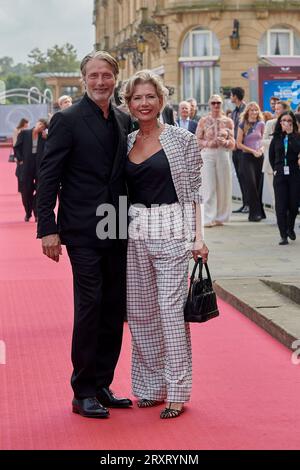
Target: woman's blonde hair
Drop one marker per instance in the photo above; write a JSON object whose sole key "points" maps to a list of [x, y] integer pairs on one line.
{"points": [[244, 119], [145, 76], [215, 97]]}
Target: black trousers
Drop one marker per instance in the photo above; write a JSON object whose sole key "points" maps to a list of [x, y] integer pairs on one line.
{"points": [[99, 279], [251, 169], [28, 192], [287, 195], [237, 156], [28, 185]]}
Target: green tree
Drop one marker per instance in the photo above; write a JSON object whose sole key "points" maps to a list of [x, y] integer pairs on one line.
{"points": [[6, 65], [56, 59], [18, 76]]}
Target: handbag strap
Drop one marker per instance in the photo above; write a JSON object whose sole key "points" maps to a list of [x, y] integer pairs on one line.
{"points": [[199, 263]]}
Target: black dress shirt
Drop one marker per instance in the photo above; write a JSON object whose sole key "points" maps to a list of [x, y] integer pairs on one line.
{"points": [[108, 132]]}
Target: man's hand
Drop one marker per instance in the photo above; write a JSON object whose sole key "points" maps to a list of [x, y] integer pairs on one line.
{"points": [[52, 247]]}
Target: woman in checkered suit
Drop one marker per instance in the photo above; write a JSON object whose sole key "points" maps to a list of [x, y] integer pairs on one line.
{"points": [[163, 179]]}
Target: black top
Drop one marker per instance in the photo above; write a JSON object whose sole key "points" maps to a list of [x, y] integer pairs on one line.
{"points": [[109, 134], [235, 116], [150, 182], [277, 153]]}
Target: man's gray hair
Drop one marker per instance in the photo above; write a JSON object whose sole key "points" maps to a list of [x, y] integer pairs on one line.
{"points": [[100, 55]]}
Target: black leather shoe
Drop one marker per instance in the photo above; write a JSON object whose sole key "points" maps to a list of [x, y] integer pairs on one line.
{"points": [[107, 398], [238, 210], [89, 408], [245, 210], [255, 219], [291, 234], [26, 218], [283, 241]]}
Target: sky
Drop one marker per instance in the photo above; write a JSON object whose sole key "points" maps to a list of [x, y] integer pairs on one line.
{"points": [[26, 24]]}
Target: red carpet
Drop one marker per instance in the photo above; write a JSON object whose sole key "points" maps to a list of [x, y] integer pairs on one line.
{"points": [[245, 390]]}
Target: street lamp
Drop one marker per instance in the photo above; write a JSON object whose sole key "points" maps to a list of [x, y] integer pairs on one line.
{"points": [[235, 36], [141, 44], [122, 61]]}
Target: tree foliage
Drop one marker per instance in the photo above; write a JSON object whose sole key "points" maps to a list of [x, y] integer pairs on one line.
{"points": [[17, 76], [56, 59]]}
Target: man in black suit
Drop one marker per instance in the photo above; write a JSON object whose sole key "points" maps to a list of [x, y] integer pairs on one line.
{"points": [[29, 149], [184, 120], [86, 154]]}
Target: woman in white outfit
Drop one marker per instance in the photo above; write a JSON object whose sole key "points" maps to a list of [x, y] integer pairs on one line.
{"points": [[215, 134], [163, 179]]}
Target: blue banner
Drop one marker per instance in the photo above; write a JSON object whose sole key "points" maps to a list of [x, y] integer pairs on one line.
{"points": [[285, 90]]}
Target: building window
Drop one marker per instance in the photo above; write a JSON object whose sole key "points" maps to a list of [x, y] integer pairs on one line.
{"points": [[280, 41], [70, 90], [200, 53]]}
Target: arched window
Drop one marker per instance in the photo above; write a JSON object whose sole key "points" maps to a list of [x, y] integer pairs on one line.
{"points": [[279, 41], [200, 75]]}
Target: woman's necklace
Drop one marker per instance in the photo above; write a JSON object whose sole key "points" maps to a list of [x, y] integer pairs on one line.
{"points": [[151, 133]]}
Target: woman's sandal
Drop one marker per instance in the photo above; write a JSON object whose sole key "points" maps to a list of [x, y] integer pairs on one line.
{"points": [[171, 412], [145, 403]]}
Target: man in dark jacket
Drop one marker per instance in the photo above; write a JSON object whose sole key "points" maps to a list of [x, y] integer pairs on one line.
{"points": [[29, 150], [184, 120], [86, 154], [236, 97]]}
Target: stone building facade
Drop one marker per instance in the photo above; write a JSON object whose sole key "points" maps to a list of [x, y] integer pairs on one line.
{"points": [[200, 47]]}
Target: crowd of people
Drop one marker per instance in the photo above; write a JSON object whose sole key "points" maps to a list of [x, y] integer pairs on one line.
{"points": [[90, 159]]}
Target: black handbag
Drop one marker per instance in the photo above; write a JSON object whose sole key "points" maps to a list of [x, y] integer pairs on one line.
{"points": [[11, 158], [201, 304]]}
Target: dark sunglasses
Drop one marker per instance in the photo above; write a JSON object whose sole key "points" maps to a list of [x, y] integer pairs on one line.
{"points": [[216, 102]]}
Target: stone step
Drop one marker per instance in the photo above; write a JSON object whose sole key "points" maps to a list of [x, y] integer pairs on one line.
{"points": [[275, 313], [285, 288]]}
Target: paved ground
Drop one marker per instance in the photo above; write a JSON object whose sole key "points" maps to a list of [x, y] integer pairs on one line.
{"points": [[256, 275]]}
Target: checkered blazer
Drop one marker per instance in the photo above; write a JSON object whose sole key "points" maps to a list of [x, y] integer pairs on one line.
{"points": [[184, 156]]}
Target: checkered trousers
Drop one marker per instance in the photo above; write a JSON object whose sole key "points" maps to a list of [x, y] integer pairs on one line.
{"points": [[157, 271]]}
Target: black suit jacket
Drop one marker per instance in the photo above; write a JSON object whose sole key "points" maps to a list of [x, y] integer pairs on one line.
{"points": [[73, 160], [168, 115], [192, 125], [23, 152]]}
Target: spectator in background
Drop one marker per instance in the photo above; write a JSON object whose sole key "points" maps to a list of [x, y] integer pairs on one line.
{"points": [[194, 109], [249, 140], [184, 120], [237, 96], [29, 150], [280, 107], [273, 101], [298, 108], [285, 162], [297, 116], [23, 124], [215, 138], [167, 115], [267, 116], [64, 102]]}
